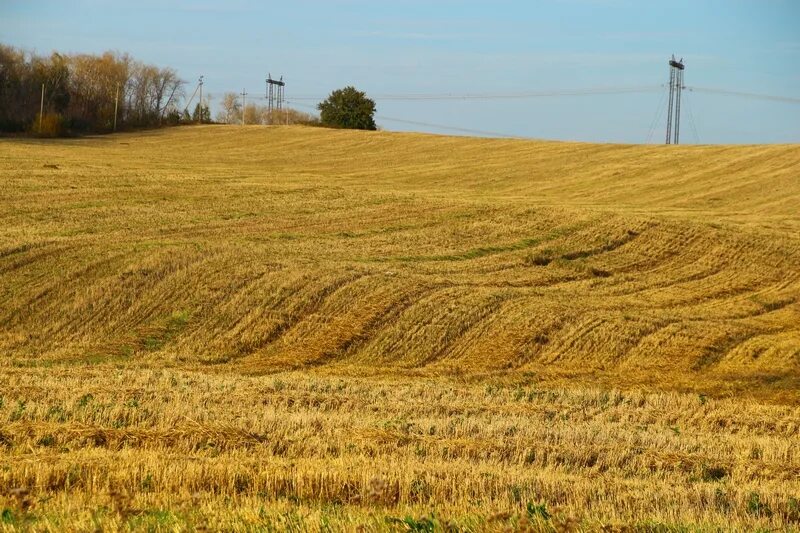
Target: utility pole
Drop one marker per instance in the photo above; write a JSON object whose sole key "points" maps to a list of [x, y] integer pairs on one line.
{"points": [[41, 110], [243, 105], [200, 115], [674, 107], [116, 104], [199, 87]]}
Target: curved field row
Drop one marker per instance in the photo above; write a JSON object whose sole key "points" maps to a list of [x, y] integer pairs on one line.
{"points": [[275, 248], [225, 328]]}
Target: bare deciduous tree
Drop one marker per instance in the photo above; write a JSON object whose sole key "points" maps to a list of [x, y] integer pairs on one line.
{"points": [[231, 111], [81, 90]]}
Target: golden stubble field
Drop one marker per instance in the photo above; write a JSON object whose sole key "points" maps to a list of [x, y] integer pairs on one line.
{"points": [[293, 328]]}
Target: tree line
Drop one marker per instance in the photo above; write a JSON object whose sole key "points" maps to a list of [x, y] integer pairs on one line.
{"points": [[346, 108], [81, 93], [232, 112], [64, 94]]}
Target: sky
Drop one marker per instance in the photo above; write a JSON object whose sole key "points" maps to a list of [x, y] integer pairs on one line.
{"points": [[499, 48]]}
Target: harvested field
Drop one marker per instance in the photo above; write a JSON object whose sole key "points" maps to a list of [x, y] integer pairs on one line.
{"points": [[299, 328]]}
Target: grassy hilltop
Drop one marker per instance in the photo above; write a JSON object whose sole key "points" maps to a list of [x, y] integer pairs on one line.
{"points": [[281, 327]]}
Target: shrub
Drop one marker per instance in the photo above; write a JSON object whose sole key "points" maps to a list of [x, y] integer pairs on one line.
{"points": [[757, 507], [538, 510], [51, 125]]}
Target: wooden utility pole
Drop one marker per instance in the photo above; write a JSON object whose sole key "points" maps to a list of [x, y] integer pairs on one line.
{"points": [[116, 105], [243, 106], [200, 115], [198, 88], [41, 110]]}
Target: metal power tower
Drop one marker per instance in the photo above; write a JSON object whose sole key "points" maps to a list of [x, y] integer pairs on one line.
{"points": [[275, 94], [674, 108]]}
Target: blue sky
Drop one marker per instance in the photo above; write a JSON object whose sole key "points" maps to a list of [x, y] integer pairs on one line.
{"points": [[465, 47]]}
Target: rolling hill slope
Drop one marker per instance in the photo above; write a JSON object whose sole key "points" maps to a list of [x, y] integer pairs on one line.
{"points": [[265, 249]]}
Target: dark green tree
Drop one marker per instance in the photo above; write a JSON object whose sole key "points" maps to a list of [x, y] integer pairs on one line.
{"points": [[206, 117], [348, 108]]}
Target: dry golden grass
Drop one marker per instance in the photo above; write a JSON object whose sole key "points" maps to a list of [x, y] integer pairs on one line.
{"points": [[126, 446], [239, 328]]}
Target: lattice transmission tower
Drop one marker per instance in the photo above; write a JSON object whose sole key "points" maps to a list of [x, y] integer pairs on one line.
{"points": [[275, 93], [676, 69]]}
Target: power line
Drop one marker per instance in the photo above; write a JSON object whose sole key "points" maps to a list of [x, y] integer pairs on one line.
{"points": [[503, 96], [755, 96], [551, 94], [691, 120], [450, 128], [431, 125], [657, 117], [541, 94]]}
